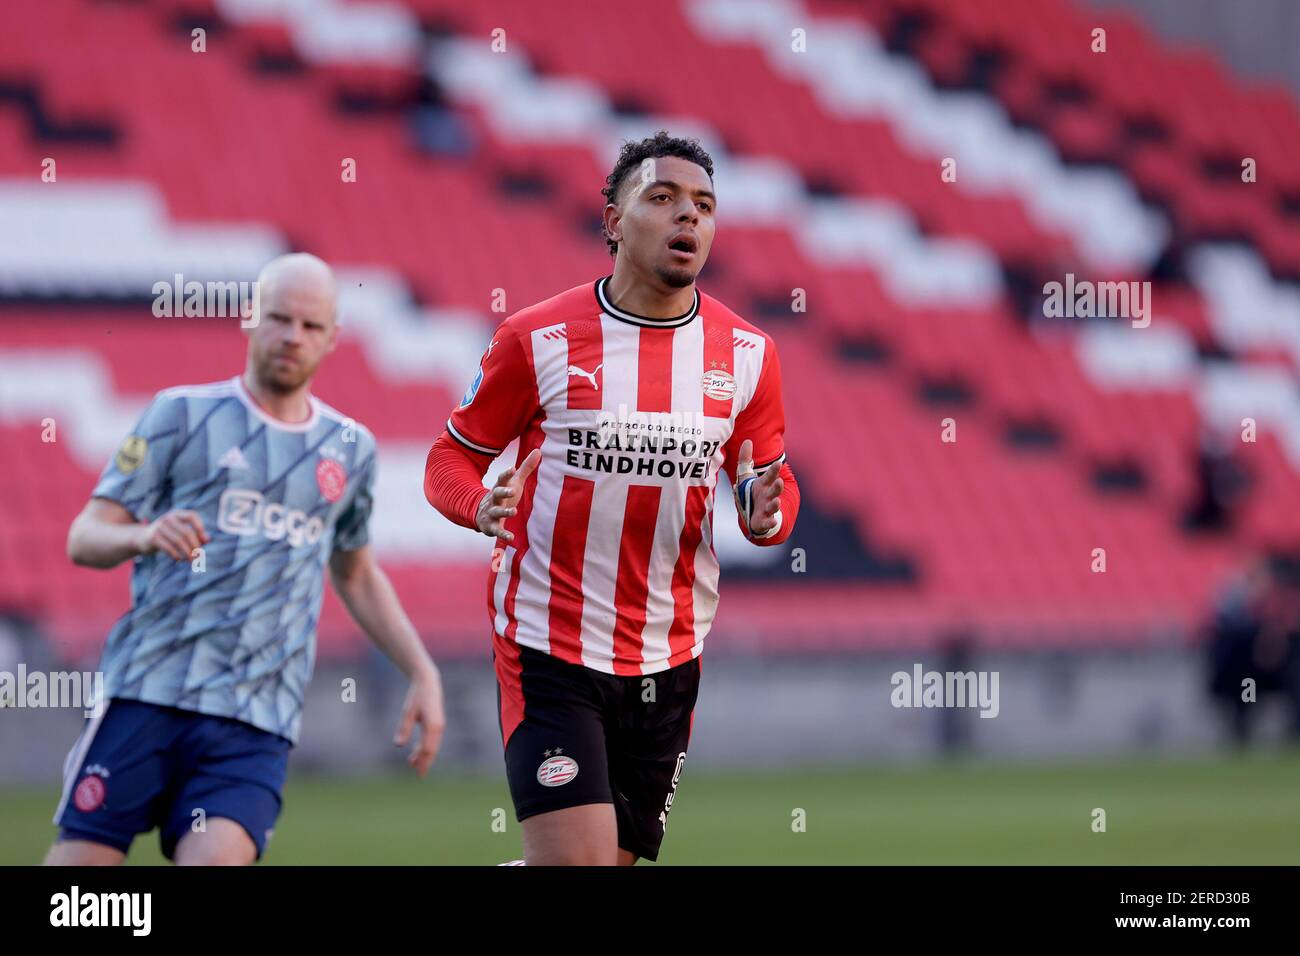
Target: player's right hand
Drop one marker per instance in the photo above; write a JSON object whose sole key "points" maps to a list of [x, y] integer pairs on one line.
{"points": [[178, 534], [502, 501]]}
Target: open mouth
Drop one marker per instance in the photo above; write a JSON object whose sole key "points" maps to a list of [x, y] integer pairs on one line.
{"points": [[684, 245]]}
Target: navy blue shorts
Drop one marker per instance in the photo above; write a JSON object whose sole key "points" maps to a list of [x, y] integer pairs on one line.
{"points": [[138, 766]]}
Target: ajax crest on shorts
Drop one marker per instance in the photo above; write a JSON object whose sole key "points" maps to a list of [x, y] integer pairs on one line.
{"points": [[91, 791]]}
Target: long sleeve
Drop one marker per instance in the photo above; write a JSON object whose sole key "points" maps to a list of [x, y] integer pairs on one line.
{"points": [[453, 480], [762, 422], [493, 412]]}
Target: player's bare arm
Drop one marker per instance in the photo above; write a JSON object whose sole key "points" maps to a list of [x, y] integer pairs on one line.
{"points": [[105, 534], [369, 597]]}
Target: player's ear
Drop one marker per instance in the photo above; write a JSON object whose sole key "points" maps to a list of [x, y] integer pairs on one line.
{"points": [[334, 335], [613, 217]]}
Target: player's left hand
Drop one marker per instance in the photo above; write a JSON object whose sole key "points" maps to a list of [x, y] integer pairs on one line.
{"points": [[424, 707], [765, 492]]}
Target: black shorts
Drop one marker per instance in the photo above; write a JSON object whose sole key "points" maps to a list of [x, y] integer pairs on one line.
{"points": [[576, 736]]}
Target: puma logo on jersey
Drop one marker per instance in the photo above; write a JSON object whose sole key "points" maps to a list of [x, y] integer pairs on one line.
{"points": [[589, 376]]}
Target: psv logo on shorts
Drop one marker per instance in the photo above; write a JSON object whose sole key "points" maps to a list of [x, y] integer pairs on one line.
{"points": [[557, 771]]}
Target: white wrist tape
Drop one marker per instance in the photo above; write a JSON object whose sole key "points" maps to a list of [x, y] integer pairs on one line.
{"points": [[745, 505]]}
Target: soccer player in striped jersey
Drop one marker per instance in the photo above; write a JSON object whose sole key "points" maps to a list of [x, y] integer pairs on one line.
{"points": [[229, 499], [627, 396]]}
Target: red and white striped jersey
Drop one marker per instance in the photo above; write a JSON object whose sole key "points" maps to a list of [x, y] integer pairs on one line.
{"points": [[612, 565]]}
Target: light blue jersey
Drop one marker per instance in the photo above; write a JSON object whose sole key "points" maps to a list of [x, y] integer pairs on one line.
{"points": [[233, 633]]}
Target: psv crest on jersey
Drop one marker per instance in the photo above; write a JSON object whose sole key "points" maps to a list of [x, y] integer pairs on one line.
{"points": [[718, 384]]}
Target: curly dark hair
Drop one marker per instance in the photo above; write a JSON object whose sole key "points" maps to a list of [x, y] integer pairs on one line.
{"points": [[632, 155]]}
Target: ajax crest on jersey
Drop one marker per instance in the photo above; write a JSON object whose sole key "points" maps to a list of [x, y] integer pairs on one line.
{"points": [[331, 479], [557, 771], [473, 388], [718, 384]]}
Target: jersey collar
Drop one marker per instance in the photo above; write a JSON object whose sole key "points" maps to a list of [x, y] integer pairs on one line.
{"points": [[305, 426], [676, 322]]}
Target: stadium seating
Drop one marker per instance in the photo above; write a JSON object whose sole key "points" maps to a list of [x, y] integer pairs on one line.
{"points": [[921, 292]]}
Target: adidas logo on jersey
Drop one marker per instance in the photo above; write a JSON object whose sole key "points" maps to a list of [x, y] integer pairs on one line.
{"points": [[233, 459]]}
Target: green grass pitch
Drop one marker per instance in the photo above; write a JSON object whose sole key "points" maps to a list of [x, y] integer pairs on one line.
{"points": [[1220, 810]]}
